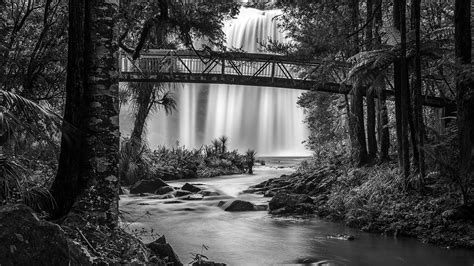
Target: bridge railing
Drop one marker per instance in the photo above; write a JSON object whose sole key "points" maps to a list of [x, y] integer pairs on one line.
{"points": [[235, 64], [276, 70]]}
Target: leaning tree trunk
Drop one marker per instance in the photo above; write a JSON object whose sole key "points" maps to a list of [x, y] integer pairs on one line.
{"points": [[67, 185], [144, 104], [464, 94]]}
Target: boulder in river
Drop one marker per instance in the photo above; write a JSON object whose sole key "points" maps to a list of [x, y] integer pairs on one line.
{"points": [[164, 190], [147, 186], [180, 193], [208, 193], [191, 188], [284, 202], [238, 206], [163, 250]]}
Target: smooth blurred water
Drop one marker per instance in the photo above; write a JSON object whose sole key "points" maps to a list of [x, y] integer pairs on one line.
{"points": [[265, 119], [257, 238]]}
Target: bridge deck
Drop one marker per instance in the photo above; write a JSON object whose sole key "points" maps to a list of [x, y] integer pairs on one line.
{"points": [[252, 69]]}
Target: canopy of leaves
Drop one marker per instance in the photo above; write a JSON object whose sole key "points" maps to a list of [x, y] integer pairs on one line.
{"points": [[174, 23], [33, 48]]}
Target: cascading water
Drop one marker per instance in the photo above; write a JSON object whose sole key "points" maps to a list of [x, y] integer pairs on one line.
{"points": [[261, 118]]}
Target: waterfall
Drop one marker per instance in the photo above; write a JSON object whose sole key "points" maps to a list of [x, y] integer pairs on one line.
{"points": [[260, 118]]}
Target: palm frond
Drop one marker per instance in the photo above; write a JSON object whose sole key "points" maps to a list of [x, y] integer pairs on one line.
{"points": [[368, 65], [445, 33], [25, 108]]}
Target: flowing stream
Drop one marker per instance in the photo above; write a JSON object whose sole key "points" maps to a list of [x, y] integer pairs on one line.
{"points": [[258, 238]]}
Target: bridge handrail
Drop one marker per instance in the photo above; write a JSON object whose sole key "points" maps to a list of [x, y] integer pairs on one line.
{"points": [[240, 56], [276, 69]]}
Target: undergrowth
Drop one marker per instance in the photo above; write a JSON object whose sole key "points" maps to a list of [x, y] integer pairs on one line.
{"points": [[374, 199], [179, 162]]}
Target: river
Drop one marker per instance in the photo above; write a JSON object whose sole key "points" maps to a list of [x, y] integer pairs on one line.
{"points": [[257, 238]]}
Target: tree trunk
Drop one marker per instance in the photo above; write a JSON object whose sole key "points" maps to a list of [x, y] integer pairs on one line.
{"points": [[95, 158], [67, 184], [404, 92], [397, 88], [371, 136], [465, 93], [98, 203], [144, 105], [382, 113], [357, 105], [417, 91], [383, 130], [357, 114]]}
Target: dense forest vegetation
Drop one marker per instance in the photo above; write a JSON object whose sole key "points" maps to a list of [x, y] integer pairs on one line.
{"points": [[411, 159], [400, 163]]}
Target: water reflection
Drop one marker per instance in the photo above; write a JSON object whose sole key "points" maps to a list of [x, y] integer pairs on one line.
{"points": [[256, 238]]}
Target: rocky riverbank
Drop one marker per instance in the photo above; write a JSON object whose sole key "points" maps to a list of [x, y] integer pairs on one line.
{"points": [[372, 200]]}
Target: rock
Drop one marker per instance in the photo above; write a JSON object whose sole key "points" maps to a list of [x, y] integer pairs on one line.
{"points": [[238, 206], [164, 190], [160, 240], [281, 200], [341, 237], [27, 240], [180, 193], [269, 194], [208, 193], [290, 203], [163, 250], [147, 186], [191, 188], [193, 197], [166, 196]]}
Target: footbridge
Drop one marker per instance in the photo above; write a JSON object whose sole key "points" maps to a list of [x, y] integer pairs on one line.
{"points": [[251, 69]]}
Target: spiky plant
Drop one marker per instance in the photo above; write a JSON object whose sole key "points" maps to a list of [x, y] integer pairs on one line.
{"points": [[134, 162]]}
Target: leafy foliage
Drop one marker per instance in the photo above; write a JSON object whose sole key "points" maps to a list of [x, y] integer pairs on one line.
{"points": [[18, 117], [161, 21], [139, 162], [33, 49]]}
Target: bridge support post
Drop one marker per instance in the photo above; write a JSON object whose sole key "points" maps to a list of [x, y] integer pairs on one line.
{"points": [[273, 71], [223, 68]]}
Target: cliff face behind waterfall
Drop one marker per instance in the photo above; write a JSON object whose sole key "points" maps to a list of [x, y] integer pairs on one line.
{"points": [[265, 119]]}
